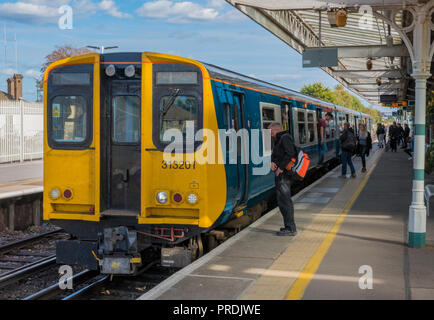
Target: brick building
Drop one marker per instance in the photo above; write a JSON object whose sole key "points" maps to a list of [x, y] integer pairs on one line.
{"points": [[15, 89]]}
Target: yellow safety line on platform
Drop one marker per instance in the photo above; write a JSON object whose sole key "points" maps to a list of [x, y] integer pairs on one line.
{"points": [[299, 287]]}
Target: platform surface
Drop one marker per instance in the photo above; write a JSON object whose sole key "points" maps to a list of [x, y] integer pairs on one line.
{"points": [[345, 227], [21, 177]]}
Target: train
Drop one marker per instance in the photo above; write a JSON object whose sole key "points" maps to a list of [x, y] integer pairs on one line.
{"points": [[110, 182]]}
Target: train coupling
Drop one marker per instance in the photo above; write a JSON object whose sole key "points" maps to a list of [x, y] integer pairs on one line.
{"points": [[119, 250]]}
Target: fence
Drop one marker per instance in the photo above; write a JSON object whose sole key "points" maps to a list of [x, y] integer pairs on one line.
{"points": [[21, 131]]}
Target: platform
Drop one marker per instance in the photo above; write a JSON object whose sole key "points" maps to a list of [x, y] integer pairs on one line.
{"points": [[345, 226], [18, 178]]}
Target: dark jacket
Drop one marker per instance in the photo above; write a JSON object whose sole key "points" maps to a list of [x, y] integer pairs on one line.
{"points": [[344, 136], [284, 150], [393, 132], [401, 131], [380, 130], [406, 132]]}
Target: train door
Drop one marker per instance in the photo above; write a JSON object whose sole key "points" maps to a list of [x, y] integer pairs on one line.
{"points": [[123, 147], [242, 149]]}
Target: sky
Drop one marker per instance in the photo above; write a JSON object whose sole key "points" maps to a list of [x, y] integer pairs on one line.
{"points": [[207, 30]]}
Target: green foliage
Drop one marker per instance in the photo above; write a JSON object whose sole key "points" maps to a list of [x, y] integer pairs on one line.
{"points": [[317, 90], [429, 159], [340, 97]]}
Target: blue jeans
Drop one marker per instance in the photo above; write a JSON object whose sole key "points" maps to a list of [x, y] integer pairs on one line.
{"points": [[322, 149], [363, 152], [346, 159]]}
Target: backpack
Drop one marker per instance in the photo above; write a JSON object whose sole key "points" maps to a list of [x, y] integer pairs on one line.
{"points": [[350, 142], [300, 165]]}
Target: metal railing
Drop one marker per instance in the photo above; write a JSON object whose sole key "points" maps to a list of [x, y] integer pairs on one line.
{"points": [[21, 131]]}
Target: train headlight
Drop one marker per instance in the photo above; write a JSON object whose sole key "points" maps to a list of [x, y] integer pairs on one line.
{"points": [[54, 194], [192, 198], [130, 71], [162, 197], [110, 70]]}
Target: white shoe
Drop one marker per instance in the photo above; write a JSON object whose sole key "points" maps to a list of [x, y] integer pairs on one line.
{"points": [[411, 158]]}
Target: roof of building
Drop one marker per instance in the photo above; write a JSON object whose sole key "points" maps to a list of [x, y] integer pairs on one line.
{"points": [[4, 96]]}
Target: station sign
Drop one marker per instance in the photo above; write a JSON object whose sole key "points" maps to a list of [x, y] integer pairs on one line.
{"points": [[395, 104], [320, 57], [388, 98]]}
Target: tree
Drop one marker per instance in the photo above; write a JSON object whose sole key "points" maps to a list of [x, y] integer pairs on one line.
{"points": [[340, 97], [61, 53], [317, 90], [343, 98]]}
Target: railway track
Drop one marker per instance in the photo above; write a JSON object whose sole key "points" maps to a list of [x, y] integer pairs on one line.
{"points": [[89, 284], [22, 258]]}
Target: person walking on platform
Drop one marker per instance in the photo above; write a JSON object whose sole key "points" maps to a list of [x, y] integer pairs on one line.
{"points": [[380, 135], [283, 151], [401, 135], [409, 148], [393, 136], [364, 144], [406, 135], [348, 145]]}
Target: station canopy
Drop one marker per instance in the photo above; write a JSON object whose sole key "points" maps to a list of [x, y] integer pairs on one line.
{"points": [[366, 36]]}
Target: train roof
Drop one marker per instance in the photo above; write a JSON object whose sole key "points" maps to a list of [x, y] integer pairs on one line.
{"points": [[260, 85]]}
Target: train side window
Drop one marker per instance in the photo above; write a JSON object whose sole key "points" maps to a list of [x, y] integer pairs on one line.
{"points": [[227, 116], [69, 119], [285, 116], [328, 129], [311, 127], [268, 117], [269, 113], [301, 127]]}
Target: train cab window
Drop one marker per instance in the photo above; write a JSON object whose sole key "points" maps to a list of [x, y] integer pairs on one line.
{"points": [[69, 119], [301, 127], [126, 119], [176, 113], [177, 103]]}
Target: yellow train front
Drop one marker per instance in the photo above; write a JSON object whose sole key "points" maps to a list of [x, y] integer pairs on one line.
{"points": [[105, 177]]}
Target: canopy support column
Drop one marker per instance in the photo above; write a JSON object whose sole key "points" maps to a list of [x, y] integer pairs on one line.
{"points": [[421, 66]]}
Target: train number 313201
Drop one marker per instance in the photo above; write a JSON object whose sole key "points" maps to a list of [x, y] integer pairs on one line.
{"points": [[181, 165]]}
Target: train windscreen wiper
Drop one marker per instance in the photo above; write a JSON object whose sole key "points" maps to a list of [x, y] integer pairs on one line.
{"points": [[169, 103]]}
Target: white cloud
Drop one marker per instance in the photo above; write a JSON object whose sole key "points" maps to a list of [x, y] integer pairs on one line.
{"points": [[8, 71], [29, 12], [33, 73], [47, 11], [177, 12], [218, 4], [109, 6]]}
